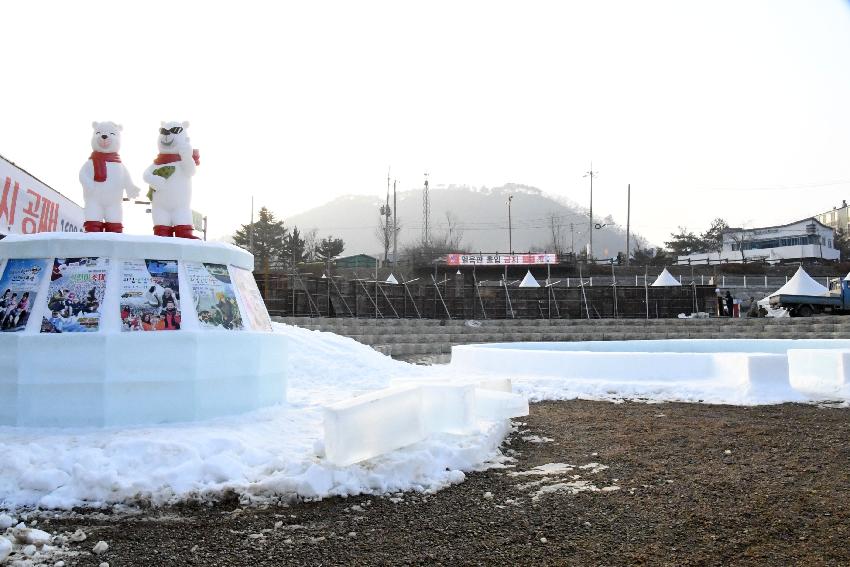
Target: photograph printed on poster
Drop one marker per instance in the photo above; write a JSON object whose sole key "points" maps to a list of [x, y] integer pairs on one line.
{"points": [[20, 283], [215, 298], [150, 296], [75, 295], [257, 314]]}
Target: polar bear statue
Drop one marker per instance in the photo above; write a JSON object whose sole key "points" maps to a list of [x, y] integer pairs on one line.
{"points": [[105, 179], [170, 180]]}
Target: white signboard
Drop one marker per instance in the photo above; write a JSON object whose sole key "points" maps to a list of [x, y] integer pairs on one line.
{"points": [[28, 206], [500, 259]]}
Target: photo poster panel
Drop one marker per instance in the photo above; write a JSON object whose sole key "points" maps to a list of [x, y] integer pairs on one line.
{"points": [[150, 296], [215, 298], [18, 291], [75, 295], [257, 314]]}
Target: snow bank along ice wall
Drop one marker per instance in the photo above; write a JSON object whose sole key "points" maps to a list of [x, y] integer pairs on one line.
{"points": [[69, 355], [746, 370]]}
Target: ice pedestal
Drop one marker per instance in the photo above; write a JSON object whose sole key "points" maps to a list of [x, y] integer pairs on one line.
{"points": [[104, 374]]}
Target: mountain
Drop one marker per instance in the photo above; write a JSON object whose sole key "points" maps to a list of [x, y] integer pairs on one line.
{"points": [[480, 213]]}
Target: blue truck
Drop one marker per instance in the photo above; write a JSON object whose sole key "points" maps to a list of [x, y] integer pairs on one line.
{"points": [[837, 301]]}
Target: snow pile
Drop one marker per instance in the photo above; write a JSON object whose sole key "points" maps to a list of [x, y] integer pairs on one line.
{"points": [[261, 455]]}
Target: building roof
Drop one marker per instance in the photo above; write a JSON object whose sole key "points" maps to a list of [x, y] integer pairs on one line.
{"points": [[813, 219]]}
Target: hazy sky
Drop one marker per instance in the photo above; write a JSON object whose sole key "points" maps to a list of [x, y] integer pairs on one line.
{"points": [[737, 109]]}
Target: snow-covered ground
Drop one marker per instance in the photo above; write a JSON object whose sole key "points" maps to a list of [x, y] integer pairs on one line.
{"points": [[271, 453]]}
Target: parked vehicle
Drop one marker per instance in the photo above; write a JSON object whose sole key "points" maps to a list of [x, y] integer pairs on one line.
{"points": [[837, 301]]}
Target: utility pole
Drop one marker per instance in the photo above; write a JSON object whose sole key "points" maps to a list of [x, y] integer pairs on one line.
{"points": [[510, 228], [385, 211], [572, 241], [590, 173], [628, 218], [395, 227], [426, 214]]}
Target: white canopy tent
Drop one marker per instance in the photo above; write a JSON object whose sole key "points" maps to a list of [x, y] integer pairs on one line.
{"points": [[665, 279], [800, 283], [391, 279], [529, 281]]}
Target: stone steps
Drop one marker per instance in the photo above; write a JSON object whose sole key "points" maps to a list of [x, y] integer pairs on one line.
{"points": [[411, 337]]}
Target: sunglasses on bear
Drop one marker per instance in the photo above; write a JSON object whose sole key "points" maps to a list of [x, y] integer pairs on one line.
{"points": [[166, 132]]}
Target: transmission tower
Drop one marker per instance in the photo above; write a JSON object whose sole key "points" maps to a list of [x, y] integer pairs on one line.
{"points": [[426, 214]]}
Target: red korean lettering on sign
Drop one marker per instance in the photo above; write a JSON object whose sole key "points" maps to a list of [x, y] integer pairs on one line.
{"points": [[42, 214], [6, 209]]}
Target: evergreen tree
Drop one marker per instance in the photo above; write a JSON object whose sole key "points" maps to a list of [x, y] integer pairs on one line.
{"points": [[329, 248], [296, 247], [269, 237], [841, 242], [684, 243], [712, 239]]}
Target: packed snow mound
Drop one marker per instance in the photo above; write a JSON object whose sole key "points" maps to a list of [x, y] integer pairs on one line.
{"points": [[665, 279], [267, 454], [529, 281]]}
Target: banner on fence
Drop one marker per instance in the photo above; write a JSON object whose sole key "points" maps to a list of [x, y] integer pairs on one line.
{"points": [[500, 259]]}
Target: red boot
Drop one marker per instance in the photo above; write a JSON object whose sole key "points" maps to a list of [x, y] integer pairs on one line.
{"points": [[113, 227], [184, 231], [163, 230], [93, 226]]}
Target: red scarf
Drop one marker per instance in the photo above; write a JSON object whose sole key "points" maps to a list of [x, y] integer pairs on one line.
{"points": [[162, 159], [99, 160]]}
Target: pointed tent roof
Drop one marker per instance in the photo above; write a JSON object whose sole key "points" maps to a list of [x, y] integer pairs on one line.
{"points": [[391, 279], [847, 278], [801, 284], [529, 281], [665, 279]]}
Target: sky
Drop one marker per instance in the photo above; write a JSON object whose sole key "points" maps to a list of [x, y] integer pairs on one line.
{"points": [[733, 109]]}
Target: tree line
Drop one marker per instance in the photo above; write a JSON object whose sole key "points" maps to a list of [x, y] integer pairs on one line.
{"points": [[276, 246]]}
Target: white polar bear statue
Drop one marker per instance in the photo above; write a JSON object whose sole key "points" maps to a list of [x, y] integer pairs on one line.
{"points": [[105, 179], [170, 180]]}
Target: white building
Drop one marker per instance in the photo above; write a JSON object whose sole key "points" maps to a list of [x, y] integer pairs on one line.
{"points": [[806, 239]]}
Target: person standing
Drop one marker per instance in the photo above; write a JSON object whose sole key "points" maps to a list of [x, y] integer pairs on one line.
{"points": [[730, 304]]}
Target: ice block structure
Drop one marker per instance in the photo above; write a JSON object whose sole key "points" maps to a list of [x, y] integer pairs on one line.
{"points": [[131, 330], [372, 424], [821, 373], [748, 370]]}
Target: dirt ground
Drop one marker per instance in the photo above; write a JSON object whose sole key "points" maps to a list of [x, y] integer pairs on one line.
{"points": [[592, 483]]}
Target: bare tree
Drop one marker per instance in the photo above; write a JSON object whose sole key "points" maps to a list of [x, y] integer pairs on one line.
{"points": [[557, 232], [740, 239], [384, 230], [311, 243], [454, 232]]}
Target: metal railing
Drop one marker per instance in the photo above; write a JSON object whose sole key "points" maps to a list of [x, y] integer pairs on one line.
{"points": [[722, 281]]}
